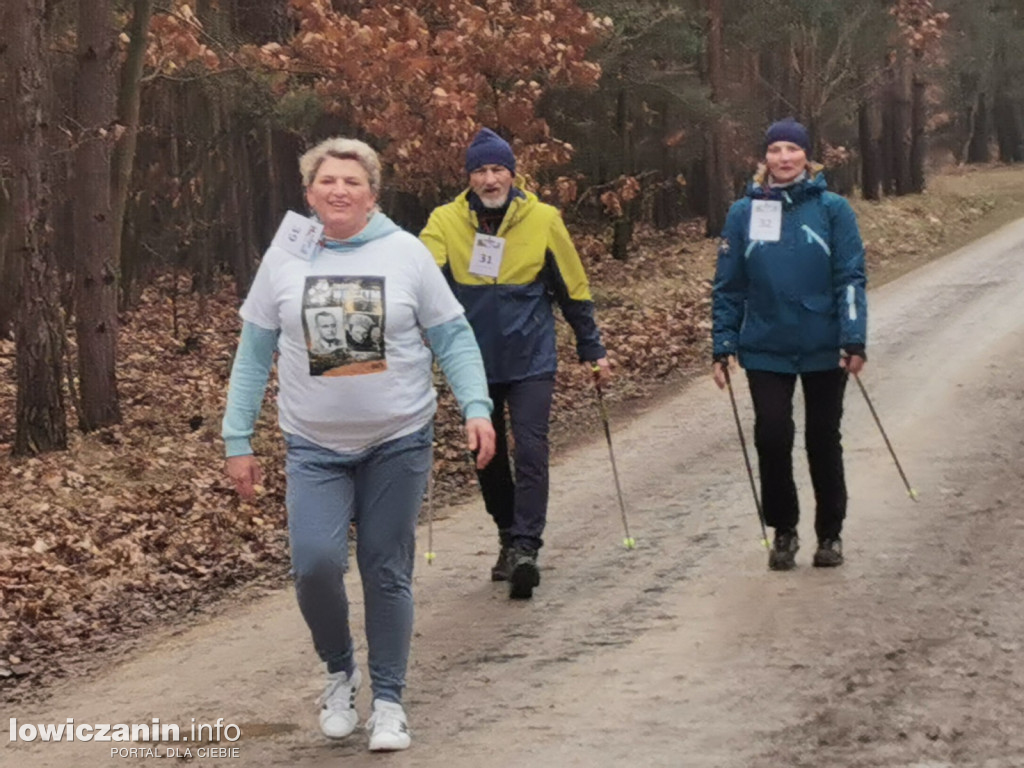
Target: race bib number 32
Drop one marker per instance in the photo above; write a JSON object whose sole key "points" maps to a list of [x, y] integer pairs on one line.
{"points": [[766, 220]]}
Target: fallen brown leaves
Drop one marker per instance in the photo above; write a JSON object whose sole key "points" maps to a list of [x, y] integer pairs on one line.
{"points": [[136, 526]]}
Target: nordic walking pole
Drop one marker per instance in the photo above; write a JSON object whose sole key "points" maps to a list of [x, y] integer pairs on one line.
{"points": [[629, 542], [746, 456], [429, 554], [910, 491]]}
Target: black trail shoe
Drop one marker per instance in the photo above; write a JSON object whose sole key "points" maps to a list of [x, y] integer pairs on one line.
{"points": [[500, 571], [783, 553], [523, 574], [829, 554]]}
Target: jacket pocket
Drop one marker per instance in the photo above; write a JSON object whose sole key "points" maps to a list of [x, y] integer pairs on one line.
{"points": [[819, 326], [814, 237], [820, 303]]}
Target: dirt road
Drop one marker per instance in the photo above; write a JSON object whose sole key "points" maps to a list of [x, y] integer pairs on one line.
{"points": [[687, 651]]}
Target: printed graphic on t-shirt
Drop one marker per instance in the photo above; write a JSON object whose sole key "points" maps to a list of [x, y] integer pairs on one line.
{"points": [[343, 318]]}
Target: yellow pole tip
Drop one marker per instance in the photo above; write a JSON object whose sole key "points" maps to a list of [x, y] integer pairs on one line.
{"points": [[913, 494], [765, 544], [430, 557], [629, 542]]}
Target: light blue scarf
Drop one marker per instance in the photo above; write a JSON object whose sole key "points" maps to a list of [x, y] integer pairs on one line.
{"points": [[378, 226]]}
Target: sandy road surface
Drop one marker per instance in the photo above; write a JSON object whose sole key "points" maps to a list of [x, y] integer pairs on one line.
{"points": [[688, 652]]}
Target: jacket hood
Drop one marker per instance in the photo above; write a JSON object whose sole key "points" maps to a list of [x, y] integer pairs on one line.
{"points": [[520, 200], [811, 186], [378, 226]]}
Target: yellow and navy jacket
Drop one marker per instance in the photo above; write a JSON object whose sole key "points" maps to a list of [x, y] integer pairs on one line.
{"points": [[512, 315]]}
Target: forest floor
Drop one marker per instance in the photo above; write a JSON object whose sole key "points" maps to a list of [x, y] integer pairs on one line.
{"points": [[135, 529]]}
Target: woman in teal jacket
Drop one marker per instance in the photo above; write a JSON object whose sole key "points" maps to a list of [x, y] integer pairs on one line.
{"points": [[789, 301]]}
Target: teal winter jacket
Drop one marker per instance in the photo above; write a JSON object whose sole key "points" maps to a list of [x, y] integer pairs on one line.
{"points": [[791, 306]]}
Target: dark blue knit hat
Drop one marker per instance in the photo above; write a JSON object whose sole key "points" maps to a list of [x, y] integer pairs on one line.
{"points": [[488, 148], [788, 130]]}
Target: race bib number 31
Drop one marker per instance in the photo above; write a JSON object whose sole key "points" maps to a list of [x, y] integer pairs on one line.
{"points": [[766, 220], [487, 254]]}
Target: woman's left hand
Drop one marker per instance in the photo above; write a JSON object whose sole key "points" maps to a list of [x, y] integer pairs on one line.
{"points": [[480, 438]]}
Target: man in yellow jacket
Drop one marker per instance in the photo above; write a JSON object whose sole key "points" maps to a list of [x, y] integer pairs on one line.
{"points": [[509, 259]]}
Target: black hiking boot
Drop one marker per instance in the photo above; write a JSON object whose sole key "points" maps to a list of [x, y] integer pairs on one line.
{"points": [[523, 573], [501, 569], [783, 553], [829, 554]]}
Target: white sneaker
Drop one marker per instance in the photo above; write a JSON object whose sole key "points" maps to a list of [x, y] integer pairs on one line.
{"points": [[338, 717], [389, 731]]}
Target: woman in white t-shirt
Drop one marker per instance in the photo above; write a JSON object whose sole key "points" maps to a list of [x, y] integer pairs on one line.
{"points": [[357, 414]]}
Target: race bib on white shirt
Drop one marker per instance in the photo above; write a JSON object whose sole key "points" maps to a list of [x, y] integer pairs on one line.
{"points": [[766, 220], [298, 235], [488, 251]]}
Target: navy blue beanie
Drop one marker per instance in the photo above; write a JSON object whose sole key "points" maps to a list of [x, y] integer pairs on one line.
{"points": [[488, 148], [788, 130]]}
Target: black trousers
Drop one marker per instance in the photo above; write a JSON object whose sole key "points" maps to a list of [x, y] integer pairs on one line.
{"points": [[773, 435], [519, 506]]}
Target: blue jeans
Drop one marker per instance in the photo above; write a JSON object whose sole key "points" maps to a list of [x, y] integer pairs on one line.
{"points": [[380, 490]]}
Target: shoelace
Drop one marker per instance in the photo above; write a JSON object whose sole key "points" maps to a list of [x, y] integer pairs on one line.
{"points": [[331, 700], [386, 720]]}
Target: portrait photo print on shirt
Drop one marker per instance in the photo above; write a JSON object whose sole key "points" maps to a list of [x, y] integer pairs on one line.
{"points": [[344, 319], [325, 335]]}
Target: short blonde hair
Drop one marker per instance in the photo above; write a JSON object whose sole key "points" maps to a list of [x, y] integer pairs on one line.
{"points": [[343, 149]]}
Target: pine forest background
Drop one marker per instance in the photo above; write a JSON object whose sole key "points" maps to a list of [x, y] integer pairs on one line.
{"points": [[148, 150], [140, 139]]}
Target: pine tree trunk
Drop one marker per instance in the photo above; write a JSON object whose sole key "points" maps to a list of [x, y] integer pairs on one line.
{"points": [[129, 100], [902, 126], [275, 207], [238, 240], [40, 420], [7, 138], [623, 226], [1007, 127], [95, 248], [666, 200], [918, 135], [213, 182], [718, 197], [1004, 112], [263, 21], [7, 263], [977, 143], [889, 146], [869, 130]]}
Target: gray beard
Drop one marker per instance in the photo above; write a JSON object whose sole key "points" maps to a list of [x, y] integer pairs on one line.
{"points": [[491, 204]]}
